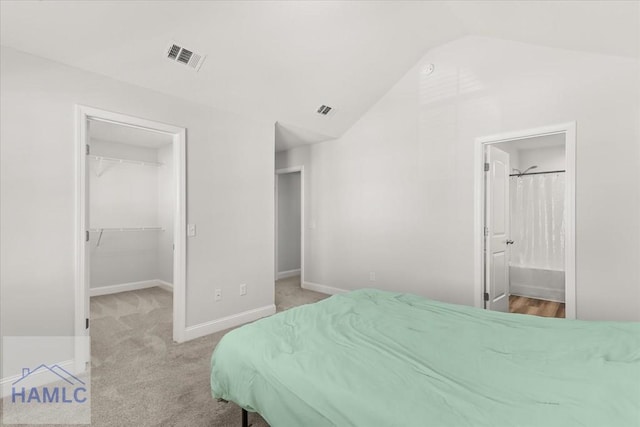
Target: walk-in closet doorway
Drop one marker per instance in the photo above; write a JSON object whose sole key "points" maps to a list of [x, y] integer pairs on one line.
{"points": [[131, 225]]}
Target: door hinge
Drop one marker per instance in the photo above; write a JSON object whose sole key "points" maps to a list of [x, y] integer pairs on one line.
{"points": [[87, 323], [486, 296], [486, 231], [88, 149], [486, 167], [86, 235]]}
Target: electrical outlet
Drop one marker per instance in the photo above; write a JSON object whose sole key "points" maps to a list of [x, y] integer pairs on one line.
{"points": [[218, 294], [191, 230], [243, 289], [372, 276]]}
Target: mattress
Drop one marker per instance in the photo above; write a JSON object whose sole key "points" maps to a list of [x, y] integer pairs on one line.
{"points": [[374, 358]]}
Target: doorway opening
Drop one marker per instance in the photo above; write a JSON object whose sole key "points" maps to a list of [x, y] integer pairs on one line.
{"points": [[525, 222], [131, 230], [289, 227]]}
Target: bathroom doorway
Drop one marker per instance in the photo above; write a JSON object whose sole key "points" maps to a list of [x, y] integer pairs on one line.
{"points": [[526, 261]]}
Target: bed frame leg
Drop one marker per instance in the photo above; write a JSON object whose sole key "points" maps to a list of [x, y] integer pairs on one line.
{"points": [[245, 418]]}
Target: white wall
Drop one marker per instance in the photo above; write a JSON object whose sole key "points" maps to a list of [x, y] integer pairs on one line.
{"points": [[123, 195], [166, 207], [547, 159], [300, 156], [547, 152], [289, 217], [395, 196], [513, 152], [230, 181]]}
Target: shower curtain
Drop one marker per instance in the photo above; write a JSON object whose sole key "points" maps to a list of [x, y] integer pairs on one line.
{"points": [[537, 221]]}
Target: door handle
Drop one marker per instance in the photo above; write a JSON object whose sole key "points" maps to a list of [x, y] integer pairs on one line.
{"points": [[509, 242]]}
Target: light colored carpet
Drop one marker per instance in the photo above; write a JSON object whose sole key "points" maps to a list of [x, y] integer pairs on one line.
{"points": [[140, 377]]}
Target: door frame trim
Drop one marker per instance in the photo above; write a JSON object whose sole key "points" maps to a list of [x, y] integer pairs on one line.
{"points": [[569, 130], [179, 134], [279, 172]]}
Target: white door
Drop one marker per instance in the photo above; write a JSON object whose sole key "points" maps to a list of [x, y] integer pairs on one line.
{"points": [[497, 230]]}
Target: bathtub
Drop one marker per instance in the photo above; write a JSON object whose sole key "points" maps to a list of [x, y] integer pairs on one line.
{"points": [[537, 283]]}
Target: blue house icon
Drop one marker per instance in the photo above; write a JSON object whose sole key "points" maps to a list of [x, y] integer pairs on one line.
{"points": [[56, 370]]}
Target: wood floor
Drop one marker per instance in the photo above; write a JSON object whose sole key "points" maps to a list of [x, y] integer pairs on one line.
{"points": [[537, 307]]}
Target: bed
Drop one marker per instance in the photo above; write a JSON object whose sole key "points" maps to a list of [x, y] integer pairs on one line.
{"points": [[375, 358]]}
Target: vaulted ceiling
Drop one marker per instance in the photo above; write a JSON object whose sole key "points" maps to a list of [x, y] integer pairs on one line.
{"points": [[280, 60]]}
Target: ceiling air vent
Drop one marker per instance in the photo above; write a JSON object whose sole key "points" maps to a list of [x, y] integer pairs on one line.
{"points": [[181, 55], [324, 110]]}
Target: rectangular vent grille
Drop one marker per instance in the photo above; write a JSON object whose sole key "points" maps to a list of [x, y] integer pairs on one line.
{"points": [[181, 55], [324, 110], [185, 56], [173, 51]]}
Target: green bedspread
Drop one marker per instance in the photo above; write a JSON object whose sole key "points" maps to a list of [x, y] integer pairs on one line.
{"points": [[372, 358]]}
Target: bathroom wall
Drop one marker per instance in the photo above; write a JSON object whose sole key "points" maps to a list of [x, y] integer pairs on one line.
{"points": [[546, 158], [514, 153]]}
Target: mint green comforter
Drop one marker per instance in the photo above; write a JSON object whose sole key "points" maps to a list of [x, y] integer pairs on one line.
{"points": [[371, 358]]}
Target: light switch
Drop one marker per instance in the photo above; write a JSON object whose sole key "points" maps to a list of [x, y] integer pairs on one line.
{"points": [[191, 230]]}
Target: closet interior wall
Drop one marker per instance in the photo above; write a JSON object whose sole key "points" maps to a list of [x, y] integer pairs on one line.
{"points": [[131, 215]]}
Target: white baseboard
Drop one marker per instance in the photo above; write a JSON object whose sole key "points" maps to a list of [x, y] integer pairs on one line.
{"points": [[5, 383], [207, 328], [133, 286], [288, 273], [322, 288], [165, 285]]}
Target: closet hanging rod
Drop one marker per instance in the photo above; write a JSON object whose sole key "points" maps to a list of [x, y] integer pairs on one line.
{"points": [[99, 230], [536, 173], [119, 160]]}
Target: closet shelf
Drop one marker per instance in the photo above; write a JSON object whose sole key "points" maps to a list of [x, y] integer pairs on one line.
{"points": [[100, 230], [128, 161]]}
